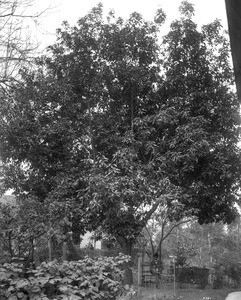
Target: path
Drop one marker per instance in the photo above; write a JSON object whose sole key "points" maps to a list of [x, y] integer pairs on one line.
{"points": [[234, 296]]}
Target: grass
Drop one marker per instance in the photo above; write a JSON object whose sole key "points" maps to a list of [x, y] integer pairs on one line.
{"points": [[187, 293]]}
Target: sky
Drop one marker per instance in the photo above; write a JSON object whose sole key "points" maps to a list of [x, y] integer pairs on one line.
{"points": [[72, 10]]}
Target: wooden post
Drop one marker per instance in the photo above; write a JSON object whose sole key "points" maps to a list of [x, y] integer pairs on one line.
{"points": [[139, 274], [139, 270], [174, 286], [174, 275], [64, 251], [50, 249]]}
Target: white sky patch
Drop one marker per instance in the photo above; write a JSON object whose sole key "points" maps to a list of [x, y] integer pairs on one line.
{"points": [[72, 10]]}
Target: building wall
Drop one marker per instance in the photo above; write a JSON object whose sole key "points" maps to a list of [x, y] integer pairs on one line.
{"points": [[87, 239]]}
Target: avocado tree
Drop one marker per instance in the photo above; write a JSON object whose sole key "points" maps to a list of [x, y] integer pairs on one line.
{"points": [[111, 125]]}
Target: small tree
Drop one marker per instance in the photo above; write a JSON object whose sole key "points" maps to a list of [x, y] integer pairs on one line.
{"points": [[21, 227], [165, 221]]}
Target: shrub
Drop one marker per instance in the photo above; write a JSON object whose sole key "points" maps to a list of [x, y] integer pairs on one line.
{"points": [[194, 275], [234, 272], [87, 279], [231, 262], [218, 281]]}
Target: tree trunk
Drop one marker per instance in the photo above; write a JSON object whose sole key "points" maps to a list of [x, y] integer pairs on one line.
{"points": [[72, 251], [31, 254], [10, 244], [36, 256], [160, 264], [126, 247]]}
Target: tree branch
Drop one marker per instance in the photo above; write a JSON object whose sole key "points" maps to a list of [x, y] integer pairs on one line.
{"points": [[162, 228], [12, 14], [151, 241], [151, 211], [174, 226]]}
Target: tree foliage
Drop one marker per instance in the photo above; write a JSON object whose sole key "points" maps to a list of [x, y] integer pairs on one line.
{"points": [[112, 124], [21, 226]]}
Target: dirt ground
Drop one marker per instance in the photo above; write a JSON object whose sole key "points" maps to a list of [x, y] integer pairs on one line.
{"points": [[186, 293]]}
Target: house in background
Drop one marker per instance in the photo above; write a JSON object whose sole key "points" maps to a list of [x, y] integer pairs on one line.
{"points": [[7, 199], [89, 240]]}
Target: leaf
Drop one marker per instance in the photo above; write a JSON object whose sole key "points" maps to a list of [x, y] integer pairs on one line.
{"points": [[42, 280], [21, 296], [12, 297], [36, 289], [22, 283], [64, 288]]}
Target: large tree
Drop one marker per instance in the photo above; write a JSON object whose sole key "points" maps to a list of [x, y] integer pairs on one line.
{"points": [[200, 118], [111, 125]]}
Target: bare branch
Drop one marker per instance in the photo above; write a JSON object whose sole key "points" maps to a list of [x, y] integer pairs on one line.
{"points": [[152, 210], [150, 238], [164, 222], [11, 14], [17, 47], [13, 58], [173, 227]]}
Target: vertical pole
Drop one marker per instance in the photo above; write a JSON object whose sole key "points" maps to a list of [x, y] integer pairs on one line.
{"points": [[238, 233], [64, 251], [156, 288], [50, 249], [139, 271], [139, 276], [174, 286], [36, 255]]}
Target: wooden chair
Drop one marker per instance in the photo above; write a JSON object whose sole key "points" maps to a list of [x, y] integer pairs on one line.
{"points": [[148, 278]]}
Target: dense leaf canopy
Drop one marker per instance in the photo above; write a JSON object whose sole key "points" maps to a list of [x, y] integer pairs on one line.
{"points": [[113, 124]]}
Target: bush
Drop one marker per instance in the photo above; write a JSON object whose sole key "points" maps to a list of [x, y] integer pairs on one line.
{"points": [[194, 275], [231, 262], [84, 279], [218, 281]]}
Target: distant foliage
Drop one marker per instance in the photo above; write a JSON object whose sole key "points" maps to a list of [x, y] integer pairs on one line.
{"points": [[193, 275], [84, 279]]}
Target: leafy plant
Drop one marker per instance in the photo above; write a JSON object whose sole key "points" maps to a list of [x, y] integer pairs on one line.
{"points": [[84, 279]]}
